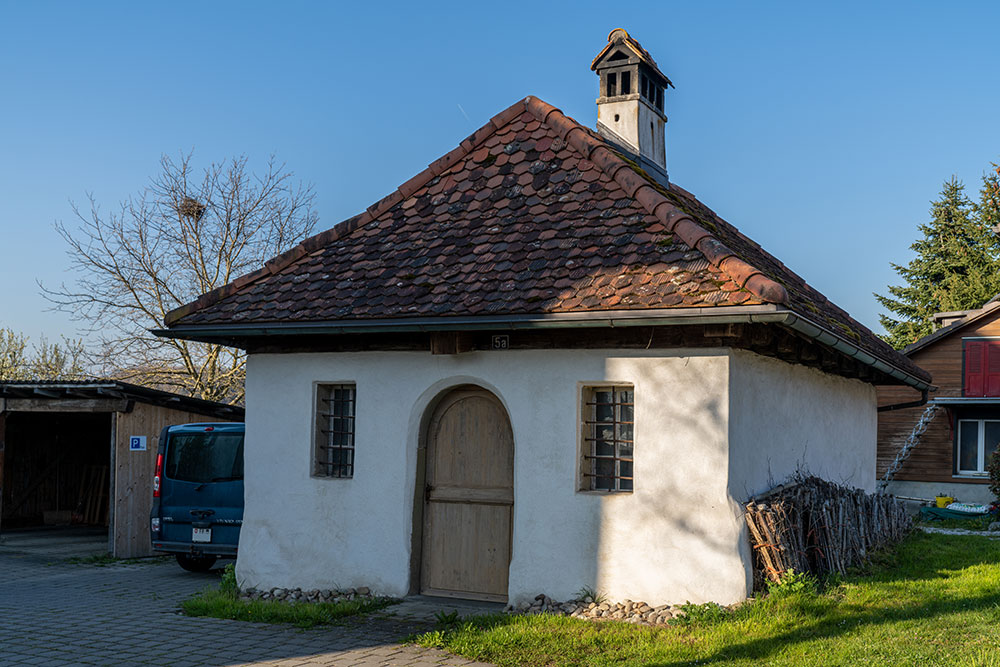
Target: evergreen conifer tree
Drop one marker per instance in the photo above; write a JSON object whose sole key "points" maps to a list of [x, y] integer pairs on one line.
{"points": [[989, 199], [957, 266]]}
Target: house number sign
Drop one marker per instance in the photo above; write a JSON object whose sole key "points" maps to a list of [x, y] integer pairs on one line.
{"points": [[501, 342]]}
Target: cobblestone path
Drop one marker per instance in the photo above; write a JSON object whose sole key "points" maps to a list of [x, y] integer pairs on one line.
{"points": [[53, 612]]}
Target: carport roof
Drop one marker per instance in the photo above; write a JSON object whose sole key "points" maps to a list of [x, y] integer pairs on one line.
{"points": [[96, 389]]}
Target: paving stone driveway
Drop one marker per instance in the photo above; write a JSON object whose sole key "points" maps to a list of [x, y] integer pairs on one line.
{"points": [[57, 613]]}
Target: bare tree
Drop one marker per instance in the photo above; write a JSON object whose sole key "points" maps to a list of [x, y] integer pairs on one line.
{"points": [[13, 355], [55, 361], [186, 233], [44, 361]]}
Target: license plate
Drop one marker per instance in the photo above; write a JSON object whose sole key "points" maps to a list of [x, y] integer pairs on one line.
{"points": [[201, 534]]}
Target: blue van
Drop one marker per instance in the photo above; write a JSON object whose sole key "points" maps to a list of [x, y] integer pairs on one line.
{"points": [[198, 493]]}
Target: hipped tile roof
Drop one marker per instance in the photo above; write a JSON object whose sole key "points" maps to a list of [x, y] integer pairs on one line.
{"points": [[532, 214]]}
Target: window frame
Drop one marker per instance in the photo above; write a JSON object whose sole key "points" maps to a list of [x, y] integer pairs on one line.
{"points": [[333, 466], [981, 461], [587, 439]]}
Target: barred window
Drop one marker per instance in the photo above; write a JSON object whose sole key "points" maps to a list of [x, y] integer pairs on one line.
{"points": [[334, 446], [608, 421]]}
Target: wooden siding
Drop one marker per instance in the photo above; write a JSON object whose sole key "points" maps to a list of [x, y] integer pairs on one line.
{"points": [[932, 459], [133, 485]]}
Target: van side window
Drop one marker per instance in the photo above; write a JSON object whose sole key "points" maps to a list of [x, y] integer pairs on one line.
{"points": [[333, 442], [205, 457]]}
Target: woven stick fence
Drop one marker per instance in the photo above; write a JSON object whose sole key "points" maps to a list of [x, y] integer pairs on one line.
{"points": [[811, 525]]}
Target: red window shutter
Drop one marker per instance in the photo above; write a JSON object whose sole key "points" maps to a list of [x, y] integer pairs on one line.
{"points": [[975, 369], [992, 369]]}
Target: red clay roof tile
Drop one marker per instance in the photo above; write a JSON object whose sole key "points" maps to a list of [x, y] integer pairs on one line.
{"points": [[532, 213]]}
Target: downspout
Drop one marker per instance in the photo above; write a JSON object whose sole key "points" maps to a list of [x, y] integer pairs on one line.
{"points": [[903, 406]]}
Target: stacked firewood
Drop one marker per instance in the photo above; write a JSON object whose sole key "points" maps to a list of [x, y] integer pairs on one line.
{"points": [[811, 525]]}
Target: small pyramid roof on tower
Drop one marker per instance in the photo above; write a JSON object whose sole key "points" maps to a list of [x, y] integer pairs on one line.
{"points": [[532, 214], [620, 37]]}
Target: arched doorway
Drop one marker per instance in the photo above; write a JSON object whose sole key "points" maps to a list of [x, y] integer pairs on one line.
{"points": [[469, 497]]}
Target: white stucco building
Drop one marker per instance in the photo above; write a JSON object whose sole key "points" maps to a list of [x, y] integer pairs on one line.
{"points": [[537, 366]]}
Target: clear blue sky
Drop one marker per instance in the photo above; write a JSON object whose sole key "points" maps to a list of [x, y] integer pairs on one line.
{"points": [[821, 131]]}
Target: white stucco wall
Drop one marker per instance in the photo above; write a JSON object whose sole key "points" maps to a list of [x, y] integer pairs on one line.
{"points": [[786, 418], [663, 543], [678, 537], [637, 124]]}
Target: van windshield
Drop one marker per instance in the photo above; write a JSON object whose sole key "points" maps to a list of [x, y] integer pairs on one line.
{"points": [[205, 457]]}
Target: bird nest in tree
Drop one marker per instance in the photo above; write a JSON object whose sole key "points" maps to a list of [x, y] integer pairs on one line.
{"points": [[191, 208]]}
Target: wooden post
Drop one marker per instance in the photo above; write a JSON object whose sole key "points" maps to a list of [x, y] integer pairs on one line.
{"points": [[112, 490], [3, 439]]}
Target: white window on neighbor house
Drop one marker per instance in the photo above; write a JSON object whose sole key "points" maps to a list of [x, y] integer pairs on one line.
{"points": [[977, 439], [333, 449], [607, 438]]}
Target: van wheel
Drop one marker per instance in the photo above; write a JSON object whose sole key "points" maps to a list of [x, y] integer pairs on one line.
{"points": [[196, 563]]}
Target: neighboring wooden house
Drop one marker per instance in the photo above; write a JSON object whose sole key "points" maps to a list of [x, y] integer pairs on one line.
{"points": [[963, 356], [67, 456], [538, 365]]}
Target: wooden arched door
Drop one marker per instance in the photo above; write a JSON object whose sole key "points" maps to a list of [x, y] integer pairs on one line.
{"points": [[469, 498]]}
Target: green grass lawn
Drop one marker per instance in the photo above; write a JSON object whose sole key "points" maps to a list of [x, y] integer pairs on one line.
{"points": [[934, 601], [224, 602], [972, 523]]}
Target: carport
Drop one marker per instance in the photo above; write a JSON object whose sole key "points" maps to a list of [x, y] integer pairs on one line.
{"points": [[84, 453]]}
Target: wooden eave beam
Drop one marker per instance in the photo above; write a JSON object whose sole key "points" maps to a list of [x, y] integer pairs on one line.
{"points": [[65, 405]]}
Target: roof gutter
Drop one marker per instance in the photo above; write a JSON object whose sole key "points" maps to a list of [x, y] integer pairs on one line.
{"points": [[761, 314], [826, 337], [587, 319]]}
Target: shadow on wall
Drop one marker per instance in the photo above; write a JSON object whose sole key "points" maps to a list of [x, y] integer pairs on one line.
{"points": [[679, 531], [788, 418]]}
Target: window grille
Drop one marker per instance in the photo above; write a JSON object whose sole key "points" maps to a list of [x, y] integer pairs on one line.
{"points": [[608, 428], [334, 455]]}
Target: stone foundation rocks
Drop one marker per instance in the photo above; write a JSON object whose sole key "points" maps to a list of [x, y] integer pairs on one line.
{"points": [[628, 611], [297, 595]]}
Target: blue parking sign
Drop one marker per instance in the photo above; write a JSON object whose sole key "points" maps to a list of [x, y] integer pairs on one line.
{"points": [[137, 443]]}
